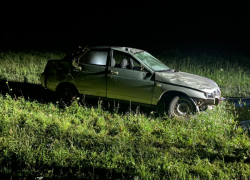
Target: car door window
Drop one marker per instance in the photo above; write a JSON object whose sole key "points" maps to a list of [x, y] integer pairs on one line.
{"points": [[120, 59], [134, 65], [95, 57], [125, 61]]}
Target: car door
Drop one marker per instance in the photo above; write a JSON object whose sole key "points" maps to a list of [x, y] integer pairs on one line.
{"points": [[126, 81], [91, 78]]}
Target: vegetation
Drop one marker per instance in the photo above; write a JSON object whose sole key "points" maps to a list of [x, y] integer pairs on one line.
{"points": [[89, 142], [26, 66], [44, 140]]}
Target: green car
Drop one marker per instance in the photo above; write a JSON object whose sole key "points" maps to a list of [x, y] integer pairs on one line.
{"points": [[129, 75]]}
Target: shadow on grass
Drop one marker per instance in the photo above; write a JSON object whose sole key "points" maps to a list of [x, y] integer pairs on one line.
{"points": [[35, 92], [242, 108], [32, 92]]}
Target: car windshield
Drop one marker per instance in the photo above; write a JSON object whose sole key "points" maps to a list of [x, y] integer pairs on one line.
{"points": [[151, 61]]}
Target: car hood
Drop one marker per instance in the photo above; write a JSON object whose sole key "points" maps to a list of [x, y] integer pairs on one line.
{"points": [[187, 80]]}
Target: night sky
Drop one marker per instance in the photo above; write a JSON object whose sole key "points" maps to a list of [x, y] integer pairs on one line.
{"points": [[124, 23]]}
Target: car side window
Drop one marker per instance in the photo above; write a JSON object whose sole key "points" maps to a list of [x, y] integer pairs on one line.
{"points": [[95, 57], [125, 61], [120, 60], [134, 64]]}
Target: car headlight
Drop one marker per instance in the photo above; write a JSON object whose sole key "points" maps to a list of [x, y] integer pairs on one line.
{"points": [[209, 95], [213, 94]]}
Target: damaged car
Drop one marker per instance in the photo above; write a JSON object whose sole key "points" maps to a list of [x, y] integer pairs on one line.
{"points": [[129, 75]]}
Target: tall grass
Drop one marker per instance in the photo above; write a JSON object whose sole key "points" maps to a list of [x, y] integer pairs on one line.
{"points": [[85, 142], [25, 66]]}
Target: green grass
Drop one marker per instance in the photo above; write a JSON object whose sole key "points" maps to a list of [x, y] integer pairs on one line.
{"points": [[25, 66], [84, 142]]}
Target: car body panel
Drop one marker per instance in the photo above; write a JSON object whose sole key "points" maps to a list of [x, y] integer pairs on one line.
{"points": [[56, 71], [128, 50], [53, 81], [91, 80], [161, 88], [130, 85], [42, 78], [186, 80]]}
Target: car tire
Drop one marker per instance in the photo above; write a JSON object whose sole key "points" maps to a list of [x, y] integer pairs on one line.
{"points": [[181, 106], [66, 96]]}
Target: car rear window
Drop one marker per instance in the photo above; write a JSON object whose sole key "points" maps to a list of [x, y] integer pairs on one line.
{"points": [[95, 57]]}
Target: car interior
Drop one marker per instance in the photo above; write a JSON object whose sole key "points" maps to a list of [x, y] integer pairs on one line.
{"points": [[122, 60]]}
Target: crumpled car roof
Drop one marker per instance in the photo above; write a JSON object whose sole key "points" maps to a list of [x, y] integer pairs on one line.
{"points": [[119, 48]]}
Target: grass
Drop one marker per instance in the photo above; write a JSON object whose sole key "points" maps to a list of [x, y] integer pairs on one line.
{"points": [[87, 142], [84, 142], [25, 66]]}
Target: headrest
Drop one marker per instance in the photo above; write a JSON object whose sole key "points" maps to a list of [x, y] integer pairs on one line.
{"points": [[124, 63], [112, 62]]}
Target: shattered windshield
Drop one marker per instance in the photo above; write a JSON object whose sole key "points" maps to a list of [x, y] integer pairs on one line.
{"points": [[152, 62]]}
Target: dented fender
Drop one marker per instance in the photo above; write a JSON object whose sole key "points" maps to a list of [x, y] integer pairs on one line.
{"points": [[54, 81], [187, 80], [56, 72], [161, 88]]}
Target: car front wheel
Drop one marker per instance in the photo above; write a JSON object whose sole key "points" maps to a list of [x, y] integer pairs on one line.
{"points": [[181, 106]]}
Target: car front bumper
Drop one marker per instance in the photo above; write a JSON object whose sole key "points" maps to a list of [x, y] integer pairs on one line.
{"points": [[211, 101], [207, 102]]}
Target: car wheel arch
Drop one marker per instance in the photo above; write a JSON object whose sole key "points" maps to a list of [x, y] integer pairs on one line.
{"points": [[167, 96], [66, 84]]}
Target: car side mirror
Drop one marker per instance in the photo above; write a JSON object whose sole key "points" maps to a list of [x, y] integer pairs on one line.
{"points": [[148, 74]]}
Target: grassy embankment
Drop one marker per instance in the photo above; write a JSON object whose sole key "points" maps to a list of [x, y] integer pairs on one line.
{"points": [[43, 140]]}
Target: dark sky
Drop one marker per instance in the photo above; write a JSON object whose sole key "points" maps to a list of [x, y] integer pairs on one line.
{"points": [[123, 23]]}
